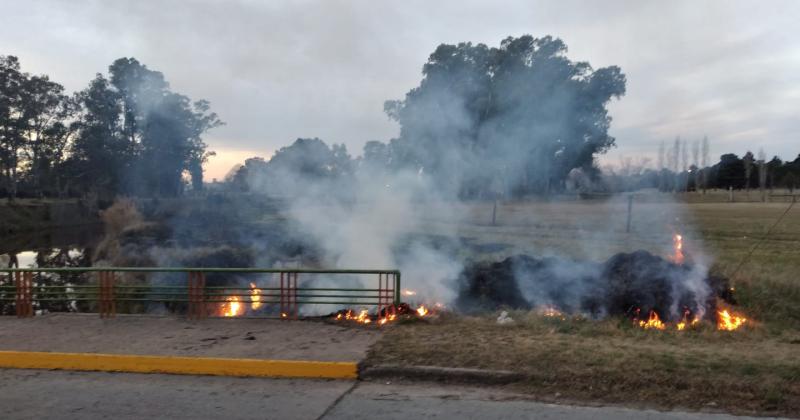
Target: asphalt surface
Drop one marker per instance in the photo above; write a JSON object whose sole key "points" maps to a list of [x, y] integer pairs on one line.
{"points": [[36, 394], [249, 338]]}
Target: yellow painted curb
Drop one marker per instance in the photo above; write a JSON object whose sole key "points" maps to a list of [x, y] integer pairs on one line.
{"points": [[177, 365]]}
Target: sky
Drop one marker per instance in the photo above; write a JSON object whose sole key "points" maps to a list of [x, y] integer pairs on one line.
{"points": [[278, 70]]}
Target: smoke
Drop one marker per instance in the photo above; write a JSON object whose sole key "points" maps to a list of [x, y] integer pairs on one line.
{"points": [[367, 218], [516, 121], [627, 284]]}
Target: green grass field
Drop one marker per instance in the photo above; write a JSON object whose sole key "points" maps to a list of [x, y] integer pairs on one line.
{"points": [[752, 370]]}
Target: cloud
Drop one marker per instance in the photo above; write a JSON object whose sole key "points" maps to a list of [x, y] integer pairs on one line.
{"points": [[279, 70]]}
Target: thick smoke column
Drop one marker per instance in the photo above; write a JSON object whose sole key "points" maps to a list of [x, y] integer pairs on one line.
{"points": [[364, 218], [507, 122]]}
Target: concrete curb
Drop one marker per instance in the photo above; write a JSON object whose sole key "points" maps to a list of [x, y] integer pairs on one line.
{"points": [[178, 365], [442, 374]]}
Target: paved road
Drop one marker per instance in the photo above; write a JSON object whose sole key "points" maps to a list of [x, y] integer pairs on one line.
{"points": [[248, 338], [30, 394]]}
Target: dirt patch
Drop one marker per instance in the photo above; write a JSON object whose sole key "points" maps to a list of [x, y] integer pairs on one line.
{"points": [[238, 338]]}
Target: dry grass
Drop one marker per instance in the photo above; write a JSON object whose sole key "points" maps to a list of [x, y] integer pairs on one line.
{"points": [[750, 371], [767, 284], [747, 371]]}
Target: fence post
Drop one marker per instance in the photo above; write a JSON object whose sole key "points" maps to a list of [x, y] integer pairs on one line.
{"points": [[397, 288], [288, 299], [106, 301], [196, 284], [381, 292], [630, 211], [23, 299]]}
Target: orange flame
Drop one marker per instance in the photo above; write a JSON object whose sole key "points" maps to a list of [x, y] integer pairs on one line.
{"points": [[407, 292], [551, 311], [363, 317], [677, 244], [422, 310], [255, 297], [685, 321], [389, 318], [728, 321], [652, 322], [232, 307]]}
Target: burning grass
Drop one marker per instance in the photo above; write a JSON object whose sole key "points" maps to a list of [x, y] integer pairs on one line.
{"points": [[685, 363], [400, 313], [766, 286], [699, 366]]}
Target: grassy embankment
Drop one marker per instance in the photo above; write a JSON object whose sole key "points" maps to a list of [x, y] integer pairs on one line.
{"points": [[752, 370]]}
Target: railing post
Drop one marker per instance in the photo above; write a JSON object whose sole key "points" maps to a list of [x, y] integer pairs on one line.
{"points": [[397, 288], [288, 296], [380, 294], [23, 299], [283, 299], [196, 285], [107, 303], [293, 296]]}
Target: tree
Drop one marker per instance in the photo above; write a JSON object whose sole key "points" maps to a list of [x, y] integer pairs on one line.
{"points": [[171, 144], [137, 136], [12, 81], [522, 113], [730, 171], [45, 130], [307, 167], [101, 155], [748, 161]]}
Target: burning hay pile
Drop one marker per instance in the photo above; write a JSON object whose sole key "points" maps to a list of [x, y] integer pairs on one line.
{"points": [[649, 289]]}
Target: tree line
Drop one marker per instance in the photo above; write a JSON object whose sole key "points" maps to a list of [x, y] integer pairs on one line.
{"points": [[484, 121], [686, 166], [126, 133]]}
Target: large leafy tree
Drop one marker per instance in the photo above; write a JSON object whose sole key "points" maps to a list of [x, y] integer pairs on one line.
{"points": [[154, 135], [11, 128], [306, 167], [522, 113], [34, 128], [47, 115], [101, 154]]}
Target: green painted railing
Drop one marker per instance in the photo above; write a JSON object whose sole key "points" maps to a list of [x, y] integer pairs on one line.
{"points": [[23, 291]]}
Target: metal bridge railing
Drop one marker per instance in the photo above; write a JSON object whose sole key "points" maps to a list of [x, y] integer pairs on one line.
{"points": [[196, 292]]}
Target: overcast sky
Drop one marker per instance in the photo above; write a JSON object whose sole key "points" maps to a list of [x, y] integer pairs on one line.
{"points": [[276, 70]]}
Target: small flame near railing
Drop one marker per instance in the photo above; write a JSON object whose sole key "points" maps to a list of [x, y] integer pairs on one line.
{"points": [[386, 316], [391, 313], [232, 307], [255, 297]]}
